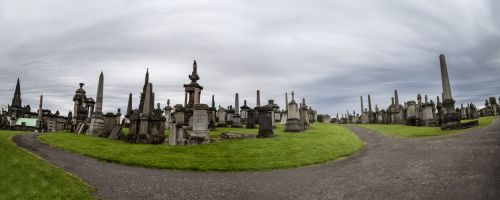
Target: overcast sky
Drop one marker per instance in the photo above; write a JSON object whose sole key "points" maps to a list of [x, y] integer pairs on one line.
{"points": [[330, 52]]}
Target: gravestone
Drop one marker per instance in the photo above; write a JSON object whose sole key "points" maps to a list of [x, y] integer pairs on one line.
{"points": [[411, 113], [293, 120], [116, 133], [222, 117], [265, 122], [200, 124], [250, 119], [244, 112]]}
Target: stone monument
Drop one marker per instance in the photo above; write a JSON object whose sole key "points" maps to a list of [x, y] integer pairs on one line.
{"points": [[96, 127], [451, 119], [39, 121], [236, 116], [222, 117], [293, 120], [265, 121], [244, 112]]}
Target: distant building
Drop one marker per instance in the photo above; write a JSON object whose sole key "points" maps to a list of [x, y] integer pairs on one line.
{"points": [[18, 117]]}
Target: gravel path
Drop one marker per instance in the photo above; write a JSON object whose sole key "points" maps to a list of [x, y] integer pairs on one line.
{"points": [[458, 166]]}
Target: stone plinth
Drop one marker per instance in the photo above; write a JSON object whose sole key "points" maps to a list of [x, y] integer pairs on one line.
{"points": [[293, 123], [428, 115], [236, 121], [96, 126], [450, 116], [200, 124]]}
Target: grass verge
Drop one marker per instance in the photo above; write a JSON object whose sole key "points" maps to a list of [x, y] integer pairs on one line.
{"points": [[24, 176], [322, 143], [418, 131]]}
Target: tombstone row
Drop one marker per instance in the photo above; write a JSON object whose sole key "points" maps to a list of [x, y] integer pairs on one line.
{"points": [[423, 113]]}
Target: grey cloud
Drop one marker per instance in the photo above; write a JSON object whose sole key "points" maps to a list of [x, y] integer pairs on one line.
{"points": [[330, 52]]}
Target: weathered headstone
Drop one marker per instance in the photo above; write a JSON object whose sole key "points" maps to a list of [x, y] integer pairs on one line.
{"points": [[250, 119], [222, 117], [200, 124], [293, 120], [265, 122]]}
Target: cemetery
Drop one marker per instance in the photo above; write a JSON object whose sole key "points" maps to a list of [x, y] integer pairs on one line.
{"points": [[194, 136], [264, 139], [249, 100]]}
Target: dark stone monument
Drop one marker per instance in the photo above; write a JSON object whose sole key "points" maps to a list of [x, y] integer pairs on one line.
{"points": [[265, 121], [250, 118]]}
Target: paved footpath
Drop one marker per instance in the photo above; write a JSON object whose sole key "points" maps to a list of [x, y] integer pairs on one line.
{"points": [[457, 166]]}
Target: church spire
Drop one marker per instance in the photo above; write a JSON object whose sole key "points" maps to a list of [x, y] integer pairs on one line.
{"points": [[16, 101]]}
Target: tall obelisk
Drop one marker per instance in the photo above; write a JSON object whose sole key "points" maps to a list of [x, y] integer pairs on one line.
{"points": [[236, 116], [450, 116], [39, 121], [97, 122], [362, 107]]}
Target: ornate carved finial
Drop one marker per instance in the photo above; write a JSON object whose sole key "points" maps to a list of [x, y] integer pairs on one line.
{"points": [[82, 84], [293, 95], [168, 102], [195, 66], [194, 75]]}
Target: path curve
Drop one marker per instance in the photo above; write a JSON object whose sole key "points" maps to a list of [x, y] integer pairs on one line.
{"points": [[457, 166]]}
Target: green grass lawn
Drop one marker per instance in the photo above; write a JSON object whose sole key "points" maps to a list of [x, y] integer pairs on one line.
{"points": [[324, 142], [416, 131], [23, 176]]}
